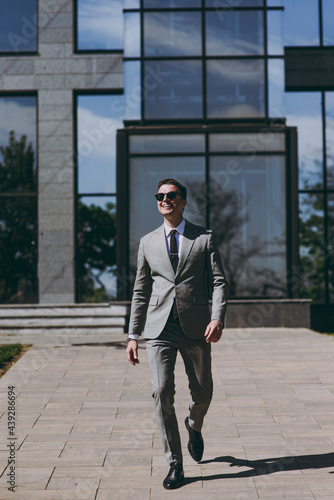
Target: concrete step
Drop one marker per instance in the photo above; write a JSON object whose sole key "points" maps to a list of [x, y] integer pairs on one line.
{"points": [[83, 317]]}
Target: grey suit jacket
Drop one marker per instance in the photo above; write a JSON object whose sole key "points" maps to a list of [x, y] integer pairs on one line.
{"points": [[198, 278]]}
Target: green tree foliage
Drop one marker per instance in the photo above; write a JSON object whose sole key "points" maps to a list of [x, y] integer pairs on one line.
{"points": [[96, 254], [18, 222], [315, 254]]}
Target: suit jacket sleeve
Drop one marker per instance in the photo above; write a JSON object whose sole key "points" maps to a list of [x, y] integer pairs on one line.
{"points": [[217, 282], [141, 293]]}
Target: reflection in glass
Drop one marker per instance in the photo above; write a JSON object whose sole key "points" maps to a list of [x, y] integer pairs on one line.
{"points": [[99, 117], [100, 24], [169, 143], [18, 250], [328, 21], [303, 110], [235, 88], [312, 250], [172, 34], [247, 143], [133, 90], [247, 208], [234, 3], [131, 4], [96, 249], [330, 138], [330, 251], [301, 22], [18, 26], [18, 144], [170, 4], [234, 33], [131, 34], [276, 94], [145, 174], [275, 32], [176, 89]]}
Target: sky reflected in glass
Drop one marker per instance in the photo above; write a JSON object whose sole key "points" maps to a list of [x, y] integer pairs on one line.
{"points": [[100, 24], [18, 26], [301, 22], [99, 117], [303, 110]]}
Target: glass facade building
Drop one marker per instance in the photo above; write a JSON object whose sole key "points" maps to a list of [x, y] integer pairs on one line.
{"points": [[99, 100]]}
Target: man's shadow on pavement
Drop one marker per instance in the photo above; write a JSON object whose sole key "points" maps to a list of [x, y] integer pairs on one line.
{"points": [[267, 466]]}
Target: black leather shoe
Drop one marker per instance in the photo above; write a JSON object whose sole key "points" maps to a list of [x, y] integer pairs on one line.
{"points": [[174, 477], [195, 444]]}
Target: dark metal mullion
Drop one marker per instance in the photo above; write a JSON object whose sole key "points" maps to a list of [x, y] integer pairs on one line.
{"points": [[266, 62], [327, 270], [204, 91], [142, 55], [207, 182], [321, 24]]}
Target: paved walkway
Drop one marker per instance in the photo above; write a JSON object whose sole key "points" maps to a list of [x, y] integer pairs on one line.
{"points": [[85, 425]]}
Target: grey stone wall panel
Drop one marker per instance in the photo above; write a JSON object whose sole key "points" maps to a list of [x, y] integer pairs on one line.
{"points": [[18, 66], [54, 268], [108, 64], [56, 221], [49, 81], [59, 112], [79, 64], [111, 81], [49, 190], [59, 253], [57, 298], [53, 35], [13, 82], [52, 6], [52, 50], [50, 238], [55, 285], [58, 207], [52, 143], [55, 128], [49, 66], [79, 81], [60, 20], [56, 96]]}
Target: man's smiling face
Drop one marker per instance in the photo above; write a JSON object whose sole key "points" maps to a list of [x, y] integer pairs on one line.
{"points": [[171, 208]]}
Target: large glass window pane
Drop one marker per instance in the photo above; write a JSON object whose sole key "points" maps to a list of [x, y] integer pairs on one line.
{"points": [[18, 250], [328, 21], [247, 143], [171, 4], [248, 215], [301, 22], [330, 251], [99, 117], [172, 34], [176, 91], [330, 138], [233, 3], [235, 88], [18, 26], [234, 33], [96, 249], [133, 90], [275, 32], [131, 34], [312, 251], [100, 24], [171, 143], [276, 93], [303, 110], [145, 174], [18, 144]]}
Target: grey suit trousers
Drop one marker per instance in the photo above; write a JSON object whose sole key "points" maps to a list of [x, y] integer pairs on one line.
{"points": [[196, 355]]}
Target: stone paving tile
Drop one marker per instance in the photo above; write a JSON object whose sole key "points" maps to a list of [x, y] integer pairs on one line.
{"points": [[86, 421]]}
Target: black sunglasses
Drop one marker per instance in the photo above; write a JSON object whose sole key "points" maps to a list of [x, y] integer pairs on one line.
{"points": [[171, 195]]}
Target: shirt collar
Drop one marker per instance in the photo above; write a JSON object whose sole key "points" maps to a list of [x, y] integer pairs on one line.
{"points": [[179, 228]]}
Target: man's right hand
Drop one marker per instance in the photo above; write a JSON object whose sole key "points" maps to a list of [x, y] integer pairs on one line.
{"points": [[132, 352]]}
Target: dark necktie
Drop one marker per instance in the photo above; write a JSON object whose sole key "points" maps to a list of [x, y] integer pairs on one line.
{"points": [[174, 255], [174, 258]]}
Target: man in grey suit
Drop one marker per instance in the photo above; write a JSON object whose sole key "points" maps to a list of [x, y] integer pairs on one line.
{"points": [[178, 271]]}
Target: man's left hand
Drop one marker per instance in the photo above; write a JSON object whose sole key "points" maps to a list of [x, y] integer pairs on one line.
{"points": [[213, 331]]}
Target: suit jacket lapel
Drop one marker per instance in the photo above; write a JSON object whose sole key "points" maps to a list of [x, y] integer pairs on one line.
{"points": [[162, 251], [189, 237]]}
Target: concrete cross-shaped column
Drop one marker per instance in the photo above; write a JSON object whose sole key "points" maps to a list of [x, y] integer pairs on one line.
{"points": [[54, 73]]}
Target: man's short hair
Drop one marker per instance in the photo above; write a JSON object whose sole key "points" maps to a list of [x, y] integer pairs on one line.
{"points": [[180, 187]]}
